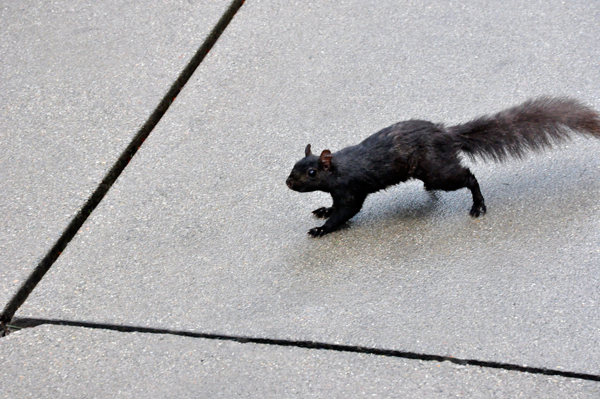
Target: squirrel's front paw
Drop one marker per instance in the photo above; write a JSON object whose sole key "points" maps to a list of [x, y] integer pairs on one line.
{"points": [[317, 232], [323, 212]]}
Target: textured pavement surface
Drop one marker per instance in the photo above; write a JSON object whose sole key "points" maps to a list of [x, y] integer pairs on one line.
{"points": [[78, 79], [80, 360], [200, 235]]}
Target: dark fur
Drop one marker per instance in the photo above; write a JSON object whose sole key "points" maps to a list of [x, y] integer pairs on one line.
{"points": [[430, 152]]}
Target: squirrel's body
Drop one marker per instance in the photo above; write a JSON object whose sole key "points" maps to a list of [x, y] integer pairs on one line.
{"points": [[430, 152]]}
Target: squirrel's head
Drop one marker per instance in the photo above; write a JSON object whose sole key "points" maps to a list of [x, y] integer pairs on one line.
{"points": [[311, 173]]}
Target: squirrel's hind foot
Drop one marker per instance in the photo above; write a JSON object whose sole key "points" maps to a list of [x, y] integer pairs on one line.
{"points": [[477, 210]]}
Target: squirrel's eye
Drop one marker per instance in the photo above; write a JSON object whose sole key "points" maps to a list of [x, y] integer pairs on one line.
{"points": [[312, 172]]}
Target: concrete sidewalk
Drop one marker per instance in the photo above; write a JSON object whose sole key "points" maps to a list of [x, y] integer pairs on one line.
{"points": [[197, 259], [78, 81]]}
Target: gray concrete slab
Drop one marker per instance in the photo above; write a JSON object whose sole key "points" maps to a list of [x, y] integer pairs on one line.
{"points": [[201, 233], [57, 362], [77, 80]]}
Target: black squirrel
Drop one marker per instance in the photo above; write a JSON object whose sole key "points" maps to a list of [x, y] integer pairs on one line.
{"points": [[430, 152]]}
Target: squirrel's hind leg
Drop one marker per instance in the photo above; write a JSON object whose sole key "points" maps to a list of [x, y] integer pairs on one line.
{"points": [[455, 179], [478, 207]]}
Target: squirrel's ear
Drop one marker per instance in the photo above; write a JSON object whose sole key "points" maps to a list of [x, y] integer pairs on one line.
{"points": [[307, 151], [325, 159]]}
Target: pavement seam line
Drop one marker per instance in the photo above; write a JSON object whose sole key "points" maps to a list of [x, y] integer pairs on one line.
{"points": [[112, 175], [23, 323]]}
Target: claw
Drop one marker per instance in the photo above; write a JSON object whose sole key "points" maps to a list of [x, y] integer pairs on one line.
{"points": [[323, 212], [478, 210], [316, 232]]}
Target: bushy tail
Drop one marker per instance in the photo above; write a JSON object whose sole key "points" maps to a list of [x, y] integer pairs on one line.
{"points": [[532, 126]]}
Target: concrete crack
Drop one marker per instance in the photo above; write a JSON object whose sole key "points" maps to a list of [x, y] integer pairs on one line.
{"points": [[19, 323], [79, 219]]}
